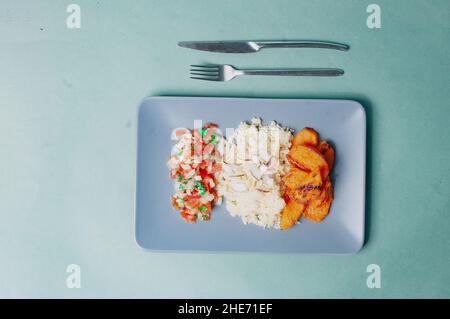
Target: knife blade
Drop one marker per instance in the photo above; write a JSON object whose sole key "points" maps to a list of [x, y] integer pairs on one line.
{"points": [[255, 46]]}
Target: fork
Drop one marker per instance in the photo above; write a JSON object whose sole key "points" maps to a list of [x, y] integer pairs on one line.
{"points": [[225, 72]]}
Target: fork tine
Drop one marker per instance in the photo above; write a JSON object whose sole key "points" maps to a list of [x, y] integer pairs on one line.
{"points": [[205, 66], [205, 79], [205, 74], [205, 71]]}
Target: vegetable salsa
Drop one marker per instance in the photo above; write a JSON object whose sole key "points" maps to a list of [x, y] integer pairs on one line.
{"points": [[193, 164]]}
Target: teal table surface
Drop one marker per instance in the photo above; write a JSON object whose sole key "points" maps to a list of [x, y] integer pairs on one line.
{"points": [[68, 110]]}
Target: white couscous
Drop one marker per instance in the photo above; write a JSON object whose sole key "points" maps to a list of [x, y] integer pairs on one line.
{"points": [[254, 161]]}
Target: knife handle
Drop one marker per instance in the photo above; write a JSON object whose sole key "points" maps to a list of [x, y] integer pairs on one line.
{"points": [[303, 44]]}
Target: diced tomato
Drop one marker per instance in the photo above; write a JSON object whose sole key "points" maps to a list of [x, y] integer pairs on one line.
{"points": [[175, 203], [192, 201], [203, 165], [206, 180], [188, 217], [184, 215], [203, 173], [180, 132]]}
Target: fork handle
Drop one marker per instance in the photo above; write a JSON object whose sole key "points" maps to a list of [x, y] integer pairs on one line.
{"points": [[296, 72], [303, 44]]}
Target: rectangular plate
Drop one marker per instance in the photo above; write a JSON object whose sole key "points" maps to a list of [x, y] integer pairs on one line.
{"points": [[160, 228]]}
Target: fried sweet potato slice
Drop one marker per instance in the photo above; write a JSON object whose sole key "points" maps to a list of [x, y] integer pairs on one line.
{"points": [[302, 195], [290, 214], [326, 192], [319, 207], [309, 159], [327, 152], [316, 211], [305, 195], [307, 136], [307, 187], [296, 178]]}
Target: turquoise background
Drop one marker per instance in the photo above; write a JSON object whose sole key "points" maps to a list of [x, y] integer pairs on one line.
{"points": [[68, 106]]}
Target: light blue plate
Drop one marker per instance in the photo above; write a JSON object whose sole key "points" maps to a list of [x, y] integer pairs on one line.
{"points": [[160, 228]]}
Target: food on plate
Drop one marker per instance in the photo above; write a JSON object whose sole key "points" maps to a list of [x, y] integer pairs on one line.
{"points": [[267, 176], [194, 164], [309, 159], [318, 207], [327, 152], [253, 163], [291, 213], [299, 179], [306, 136], [307, 186]]}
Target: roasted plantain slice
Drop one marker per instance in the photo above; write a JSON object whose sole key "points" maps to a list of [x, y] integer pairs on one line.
{"points": [[309, 159], [316, 211], [305, 195], [319, 207], [297, 178], [327, 152], [307, 187], [290, 214], [306, 136]]}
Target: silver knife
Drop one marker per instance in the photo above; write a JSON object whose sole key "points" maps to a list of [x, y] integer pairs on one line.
{"points": [[255, 46]]}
